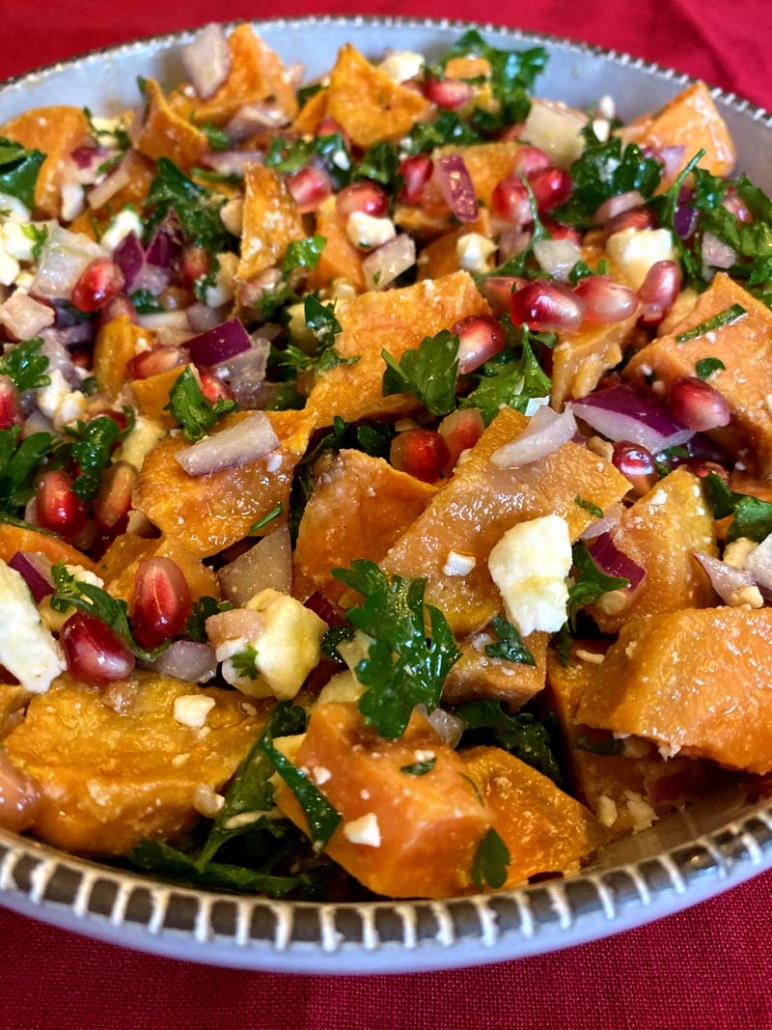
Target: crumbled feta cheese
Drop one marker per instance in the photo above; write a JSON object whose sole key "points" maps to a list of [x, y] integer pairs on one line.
{"points": [[423, 756], [458, 564], [85, 575], [556, 129], [207, 801], [140, 441], [602, 128], [9, 267], [125, 222], [232, 215], [73, 201], [364, 830], [473, 251], [736, 554], [529, 565], [636, 250], [320, 774], [27, 649], [193, 710], [13, 209], [368, 232], [746, 597], [607, 811], [16, 242], [59, 402], [643, 815], [224, 289], [401, 65], [606, 108]]}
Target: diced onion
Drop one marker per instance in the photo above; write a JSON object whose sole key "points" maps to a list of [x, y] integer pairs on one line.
{"points": [[24, 317], [725, 579], [557, 257], [455, 185], [267, 564], [207, 60], [614, 562], [448, 726], [628, 413], [248, 440], [221, 343], [130, 258], [251, 118], [106, 190], [385, 263], [545, 433], [186, 660], [63, 258], [759, 563], [35, 569]]}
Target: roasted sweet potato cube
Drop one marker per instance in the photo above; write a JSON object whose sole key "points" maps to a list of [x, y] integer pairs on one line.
{"points": [[310, 114], [118, 566], [481, 502], [476, 676], [13, 698], [441, 256], [55, 132], [215, 510], [745, 348], [396, 321], [359, 507], [339, 259], [271, 221], [152, 395], [116, 345], [689, 118], [115, 766], [582, 356], [402, 834], [694, 682], [27, 538], [660, 532], [367, 104], [544, 829], [165, 133]]}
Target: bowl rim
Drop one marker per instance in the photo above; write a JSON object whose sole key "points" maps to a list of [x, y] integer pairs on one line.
{"points": [[383, 936]]}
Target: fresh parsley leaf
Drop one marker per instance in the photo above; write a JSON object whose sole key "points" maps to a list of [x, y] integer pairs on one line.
{"points": [[303, 254], [581, 270], [334, 636], [752, 516], [20, 463], [510, 644], [331, 152], [245, 662], [419, 768], [589, 506], [606, 170], [731, 314], [306, 92], [510, 380], [38, 234], [216, 137], [276, 512], [197, 208], [589, 584], [669, 459], [19, 169], [92, 450], [205, 606], [145, 302], [522, 734], [116, 136], [609, 746], [428, 371], [403, 667], [665, 206], [321, 320], [374, 438], [705, 367], [192, 410], [380, 163], [490, 862], [448, 127], [26, 365]]}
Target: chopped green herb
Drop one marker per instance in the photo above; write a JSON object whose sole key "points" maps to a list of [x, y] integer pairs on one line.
{"points": [[522, 734], [330, 151], [117, 136], [38, 234], [667, 460], [19, 170], [590, 583], [419, 768], [303, 254], [216, 137], [428, 371], [145, 302], [380, 163], [321, 816], [510, 644], [511, 379], [26, 365], [192, 410], [334, 636], [581, 270], [490, 862], [752, 516], [707, 366], [92, 447], [20, 464], [244, 662], [722, 318], [276, 512], [197, 208], [201, 610], [589, 506], [609, 746]]}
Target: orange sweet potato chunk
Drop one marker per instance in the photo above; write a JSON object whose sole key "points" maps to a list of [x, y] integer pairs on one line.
{"points": [[115, 766], [367, 104], [340, 259], [152, 395], [429, 826], [116, 345], [544, 829], [55, 132], [27, 538], [396, 321], [689, 118], [660, 532], [476, 677], [213, 511], [359, 507], [271, 221], [744, 346], [582, 356], [695, 682], [310, 114], [481, 502], [164, 133]]}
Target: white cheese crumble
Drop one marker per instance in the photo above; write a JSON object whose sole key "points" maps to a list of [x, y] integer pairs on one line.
{"points": [[368, 232], [401, 65], [364, 830], [636, 250], [607, 811], [232, 215], [224, 289], [125, 222], [27, 649], [529, 565], [320, 774], [59, 402], [473, 251], [145, 434], [458, 564], [193, 710]]}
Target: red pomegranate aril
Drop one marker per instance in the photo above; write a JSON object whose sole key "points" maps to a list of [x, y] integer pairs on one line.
{"points": [[547, 306], [99, 283], [558, 231], [113, 502], [480, 337], [309, 187], [10, 404], [697, 404], [364, 197], [658, 291], [161, 601], [606, 301], [637, 218], [194, 263], [57, 506], [214, 389], [152, 362], [497, 290], [449, 94], [510, 202], [94, 653], [422, 453], [19, 797], [550, 187], [460, 431], [529, 160], [416, 172], [637, 464]]}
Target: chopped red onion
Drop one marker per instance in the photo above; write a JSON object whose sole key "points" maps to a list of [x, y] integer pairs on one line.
{"points": [[545, 433], [614, 562], [759, 563], [55, 349], [233, 162], [512, 242], [73, 335], [248, 440], [716, 253], [24, 317], [246, 374], [130, 258], [448, 726], [207, 60], [165, 320], [36, 571], [629, 413], [267, 564], [686, 215], [617, 205], [388, 261], [153, 279], [166, 243], [252, 118], [455, 184], [609, 521], [106, 190], [219, 344], [64, 257], [557, 257], [88, 157], [725, 579], [186, 660], [202, 318]]}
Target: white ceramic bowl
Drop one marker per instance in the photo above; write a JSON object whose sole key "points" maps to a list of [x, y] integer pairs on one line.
{"points": [[681, 860]]}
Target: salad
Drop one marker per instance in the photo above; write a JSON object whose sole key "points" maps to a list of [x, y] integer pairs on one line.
{"points": [[385, 497]]}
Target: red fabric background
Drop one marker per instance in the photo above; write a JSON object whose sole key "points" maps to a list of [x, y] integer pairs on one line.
{"points": [[708, 967]]}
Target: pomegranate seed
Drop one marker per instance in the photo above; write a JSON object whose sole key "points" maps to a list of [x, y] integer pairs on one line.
{"points": [[550, 187], [194, 263], [99, 283], [658, 291], [637, 218], [460, 431], [58, 508], [510, 202], [529, 160], [422, 453], [154, 361], [309, 187], [10, 404], [365, 197], [415, 172], [19, 797], [617, 205], [561, 232], [637, 464], [214, 389], [93, 652], [606, 301], [697, 404], [161, 601], [497, 290], [449, 94], [479, 338], [113, 502], [547, 306]]}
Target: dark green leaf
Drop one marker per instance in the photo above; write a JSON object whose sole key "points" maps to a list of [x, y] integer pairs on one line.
{"points": [[512, 381], [92, 449], [593, 509], [752, 516], [26, 365], [521, 734], [20, 465], [216, 137], [322, 818], [330, 152], [590, 583], [490, 862], [428, 371], [705, 367], [510, 645], [192, 410], [303, 254], [334, 636], [606, 170], [205, 606], [726, 317], [419, 768], [446, 128], [145, 302], [19, 170], [320, 319], [380, 163], [609, 746], [38, 234], [581, 270], [244, 662], [197, 208]]}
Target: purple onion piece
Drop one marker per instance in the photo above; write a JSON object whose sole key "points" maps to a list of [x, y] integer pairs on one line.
{"points": [[629, 413], [455, 185], [232, 162], [614, 562], [166, 244], [385, 263], [686, 215], [545, 433], [186, 660], [207, 60], [248, 440], [725, 579], [220, 344], [759, 564], [36, 572], [130, 258], [267, 564]]}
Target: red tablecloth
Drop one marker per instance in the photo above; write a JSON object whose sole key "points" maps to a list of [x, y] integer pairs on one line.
{"points": [[708, 967]]}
